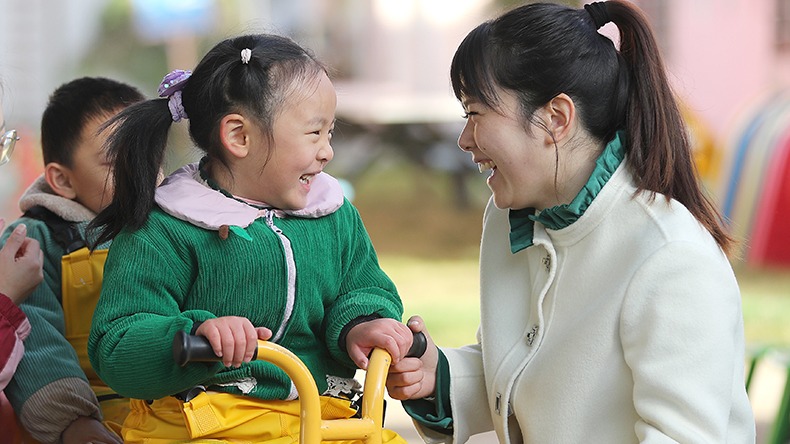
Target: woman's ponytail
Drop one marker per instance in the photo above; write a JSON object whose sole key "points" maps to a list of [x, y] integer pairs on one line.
{"points": [[659, 151]]}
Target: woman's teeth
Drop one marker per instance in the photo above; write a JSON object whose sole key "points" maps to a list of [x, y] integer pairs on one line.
{"points": [[487, 165]]}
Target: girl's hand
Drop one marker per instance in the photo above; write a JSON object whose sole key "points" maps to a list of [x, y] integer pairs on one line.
{"points": [[233, 338], [385, 333], [21, 260], [414, 378]]}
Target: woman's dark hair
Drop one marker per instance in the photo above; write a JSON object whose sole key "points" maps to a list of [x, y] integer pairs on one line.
{"points": [[540, 50], [220, 84]]}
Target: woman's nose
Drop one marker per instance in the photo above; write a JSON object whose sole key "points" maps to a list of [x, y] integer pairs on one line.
{"points": [[466, 140]]}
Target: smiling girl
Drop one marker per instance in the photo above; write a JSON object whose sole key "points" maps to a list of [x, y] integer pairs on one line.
{"points": [[253, 242]]}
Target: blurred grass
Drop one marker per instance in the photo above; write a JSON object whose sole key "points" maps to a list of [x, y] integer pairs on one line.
{"points": [[429, 248], [766, 305]]}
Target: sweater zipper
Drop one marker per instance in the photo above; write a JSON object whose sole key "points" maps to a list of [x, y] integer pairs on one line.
{"points": [[290, 266]]}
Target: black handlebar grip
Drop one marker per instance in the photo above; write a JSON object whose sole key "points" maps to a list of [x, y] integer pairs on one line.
{"points": [[418, 346], [193, 348]]}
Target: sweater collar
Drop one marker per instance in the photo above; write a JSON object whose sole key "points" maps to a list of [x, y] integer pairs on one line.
{"points": [[522, 222], [187, 196], [39, 193]]}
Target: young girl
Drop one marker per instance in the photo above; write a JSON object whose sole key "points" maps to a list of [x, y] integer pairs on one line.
{"points": [[609, 311], [254, 242]]}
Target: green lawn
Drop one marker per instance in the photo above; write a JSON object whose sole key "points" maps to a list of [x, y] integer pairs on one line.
{"points": [[444, 292], [766, 305]]}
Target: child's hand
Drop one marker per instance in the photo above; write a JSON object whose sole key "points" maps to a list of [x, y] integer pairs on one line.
{"points": [[388, 334], [414, 378], [21, 260], [233, 338]]}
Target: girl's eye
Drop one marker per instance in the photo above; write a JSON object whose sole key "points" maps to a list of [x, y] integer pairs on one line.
{"points": [[469, 114]]}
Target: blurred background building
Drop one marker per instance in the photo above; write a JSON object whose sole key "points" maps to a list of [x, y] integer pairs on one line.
{"points": [[729, 61]]}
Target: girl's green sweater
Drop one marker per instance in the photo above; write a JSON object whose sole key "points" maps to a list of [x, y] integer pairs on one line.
{"points": [[169, 274]]}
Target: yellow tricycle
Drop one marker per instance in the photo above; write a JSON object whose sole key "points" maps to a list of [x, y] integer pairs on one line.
{"points": [[314, 429]]}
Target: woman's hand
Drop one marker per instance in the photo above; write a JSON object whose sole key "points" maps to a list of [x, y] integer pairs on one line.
{"points": [[385, 333], [415, 378], [233, 338], [21, 260]]}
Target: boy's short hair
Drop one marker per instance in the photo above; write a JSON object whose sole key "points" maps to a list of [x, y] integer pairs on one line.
{"points": [[72, 105]]}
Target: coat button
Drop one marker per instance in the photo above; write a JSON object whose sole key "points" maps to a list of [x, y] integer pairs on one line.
{"points": [[531, 335]]}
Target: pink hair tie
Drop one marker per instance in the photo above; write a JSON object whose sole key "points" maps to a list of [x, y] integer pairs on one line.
{"points": [[171, 87]]}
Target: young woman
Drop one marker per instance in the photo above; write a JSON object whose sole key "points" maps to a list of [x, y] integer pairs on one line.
{"points": [[609, 310], [254, 242]]}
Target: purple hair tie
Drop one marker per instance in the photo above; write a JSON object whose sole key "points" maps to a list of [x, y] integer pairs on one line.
{"points": [[171, 87]]}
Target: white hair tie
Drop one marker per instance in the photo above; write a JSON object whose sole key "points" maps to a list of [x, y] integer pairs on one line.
{"points": [[246, 53]]}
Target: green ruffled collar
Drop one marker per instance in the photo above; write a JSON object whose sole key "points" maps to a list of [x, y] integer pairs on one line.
{"points": [[522, 222]]}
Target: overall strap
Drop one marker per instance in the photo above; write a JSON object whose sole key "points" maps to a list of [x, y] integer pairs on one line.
{"points": [[64, 232]]}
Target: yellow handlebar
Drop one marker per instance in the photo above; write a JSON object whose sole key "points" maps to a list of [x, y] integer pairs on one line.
{"points": [[313, 429], [368, 428]]}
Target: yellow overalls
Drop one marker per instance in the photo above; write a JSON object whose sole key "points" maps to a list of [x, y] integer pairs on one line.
{"points": [[213, 417], [81, 278]]}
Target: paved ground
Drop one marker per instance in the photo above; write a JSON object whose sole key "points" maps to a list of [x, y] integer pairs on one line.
{"points": [[766, 390]]}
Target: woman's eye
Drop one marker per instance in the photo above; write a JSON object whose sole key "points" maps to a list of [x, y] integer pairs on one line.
{"points": [[469, 114]]}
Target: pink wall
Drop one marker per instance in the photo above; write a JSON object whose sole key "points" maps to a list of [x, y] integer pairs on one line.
{"points": [[722, 57]]}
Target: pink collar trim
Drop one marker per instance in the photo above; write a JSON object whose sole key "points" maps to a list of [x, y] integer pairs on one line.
{"points": [[184, 195]]}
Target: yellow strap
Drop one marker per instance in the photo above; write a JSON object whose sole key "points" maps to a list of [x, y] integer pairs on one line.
{"points": [[81, 279]]}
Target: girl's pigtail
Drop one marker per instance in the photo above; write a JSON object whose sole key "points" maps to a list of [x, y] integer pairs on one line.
{"points": [[659, 151], [136, 148]]}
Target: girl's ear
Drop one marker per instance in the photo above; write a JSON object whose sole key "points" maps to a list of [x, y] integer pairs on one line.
{"points": [[560, 116], [234, 133], [58, 178]]}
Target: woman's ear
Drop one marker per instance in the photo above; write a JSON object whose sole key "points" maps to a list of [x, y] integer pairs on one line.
{"points": [[560, 115], [234, 133], [58, 178]]}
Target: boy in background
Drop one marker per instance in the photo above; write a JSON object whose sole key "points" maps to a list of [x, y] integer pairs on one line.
{"points": [[55, 393]]}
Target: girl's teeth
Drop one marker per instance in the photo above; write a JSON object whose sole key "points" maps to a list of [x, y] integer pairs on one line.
{"points": [[305, 179]]}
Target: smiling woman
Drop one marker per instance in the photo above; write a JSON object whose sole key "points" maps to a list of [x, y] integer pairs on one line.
{"points": [[603, 274]]}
